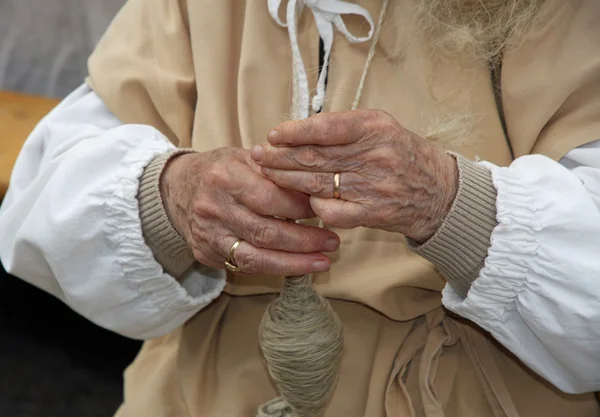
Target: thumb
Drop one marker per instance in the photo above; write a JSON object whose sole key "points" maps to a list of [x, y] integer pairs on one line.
{"points": [[338, 213]]}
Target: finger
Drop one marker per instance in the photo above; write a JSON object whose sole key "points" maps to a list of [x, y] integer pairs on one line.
{"points": [[318, 184], [339, 213], [253, 260], [312, 158], [322, 129], [271, 233], [262, 196]]}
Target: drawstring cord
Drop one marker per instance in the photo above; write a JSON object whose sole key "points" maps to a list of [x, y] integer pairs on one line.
{"points": [[327, 14], [371, 54]]}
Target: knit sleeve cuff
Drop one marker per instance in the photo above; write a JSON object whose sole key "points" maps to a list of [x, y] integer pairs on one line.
{"points": [[460, 246], [168, 247]]}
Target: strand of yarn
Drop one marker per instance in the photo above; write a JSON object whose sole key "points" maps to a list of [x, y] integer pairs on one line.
{"points": [[371, 55], [275, 408]]}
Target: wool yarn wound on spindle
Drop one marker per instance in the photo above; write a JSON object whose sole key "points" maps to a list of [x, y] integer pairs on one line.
{"points": [[301, 338]]}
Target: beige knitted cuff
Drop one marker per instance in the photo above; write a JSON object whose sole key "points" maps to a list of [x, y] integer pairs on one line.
{"points": [[169, 248], [459, 248]]}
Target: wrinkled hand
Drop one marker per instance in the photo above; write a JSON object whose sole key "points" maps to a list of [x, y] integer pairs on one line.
{"points": [[391, 179], [216, 197]]}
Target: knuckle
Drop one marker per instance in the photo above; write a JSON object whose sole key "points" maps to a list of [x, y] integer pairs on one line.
{"points": [[318, 127], [309, 127], [319, 185], [215, 246], [235, 155], [215, 176], [251, 262], [377, 114], [387, 125], [265, 235], [378, 122], [267, 194], [310, 240], [194, 231], [196, 234], [369, 114], [337, 127], [311, 157], [381, 158], [200, 206], [206, 209]]}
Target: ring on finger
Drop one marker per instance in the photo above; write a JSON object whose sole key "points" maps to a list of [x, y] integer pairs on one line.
{"points": [[230, 261], [336, 185]]}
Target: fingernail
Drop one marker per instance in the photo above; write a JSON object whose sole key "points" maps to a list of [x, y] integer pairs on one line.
{"points": [[332, 244], [273, 136], [320, 266], [256, 153]]}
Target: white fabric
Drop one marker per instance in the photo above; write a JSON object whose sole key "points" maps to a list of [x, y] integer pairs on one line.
{"points": [[70, 225], [327, 14], [539, 292]]}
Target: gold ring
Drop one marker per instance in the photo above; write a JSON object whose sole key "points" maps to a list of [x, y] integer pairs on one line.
{"points": [[336, 185], [229, 262]]}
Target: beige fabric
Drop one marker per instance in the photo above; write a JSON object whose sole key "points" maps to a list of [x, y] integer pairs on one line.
{"points": [[212, 367], [169, 248], [551, 102], [460, 246], [163, 59]]}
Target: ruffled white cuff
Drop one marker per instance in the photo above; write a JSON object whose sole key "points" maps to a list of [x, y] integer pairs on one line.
{"points": [[539, 289], [163, 301], [70, 222]]}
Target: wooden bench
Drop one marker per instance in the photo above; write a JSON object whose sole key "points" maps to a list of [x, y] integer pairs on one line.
{"points": [[19, 114]]}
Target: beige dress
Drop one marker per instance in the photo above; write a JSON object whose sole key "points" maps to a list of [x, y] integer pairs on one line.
{"points": [[214, 73]]}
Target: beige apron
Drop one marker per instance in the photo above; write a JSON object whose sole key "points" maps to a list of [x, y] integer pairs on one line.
{"points": [[214, 73]]}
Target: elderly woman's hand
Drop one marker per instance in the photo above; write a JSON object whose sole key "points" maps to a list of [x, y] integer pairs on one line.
{"points": [[215, 198], [390, 178]]}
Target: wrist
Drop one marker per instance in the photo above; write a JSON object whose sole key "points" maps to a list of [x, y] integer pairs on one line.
{"points": [[169, 183], [449, 187], [443, 199], [170, 249], [460, 246]]}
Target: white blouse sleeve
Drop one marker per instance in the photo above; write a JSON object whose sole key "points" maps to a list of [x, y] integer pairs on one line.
{"points": [[539, 291], [70, 225]]}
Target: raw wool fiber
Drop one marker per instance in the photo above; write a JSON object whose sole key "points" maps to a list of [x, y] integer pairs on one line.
{"points": [[485, 27], [476, 31]]}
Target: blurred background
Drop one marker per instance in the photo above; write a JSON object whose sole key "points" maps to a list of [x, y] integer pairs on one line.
{"points": [[44, 44], [53, 362]]}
